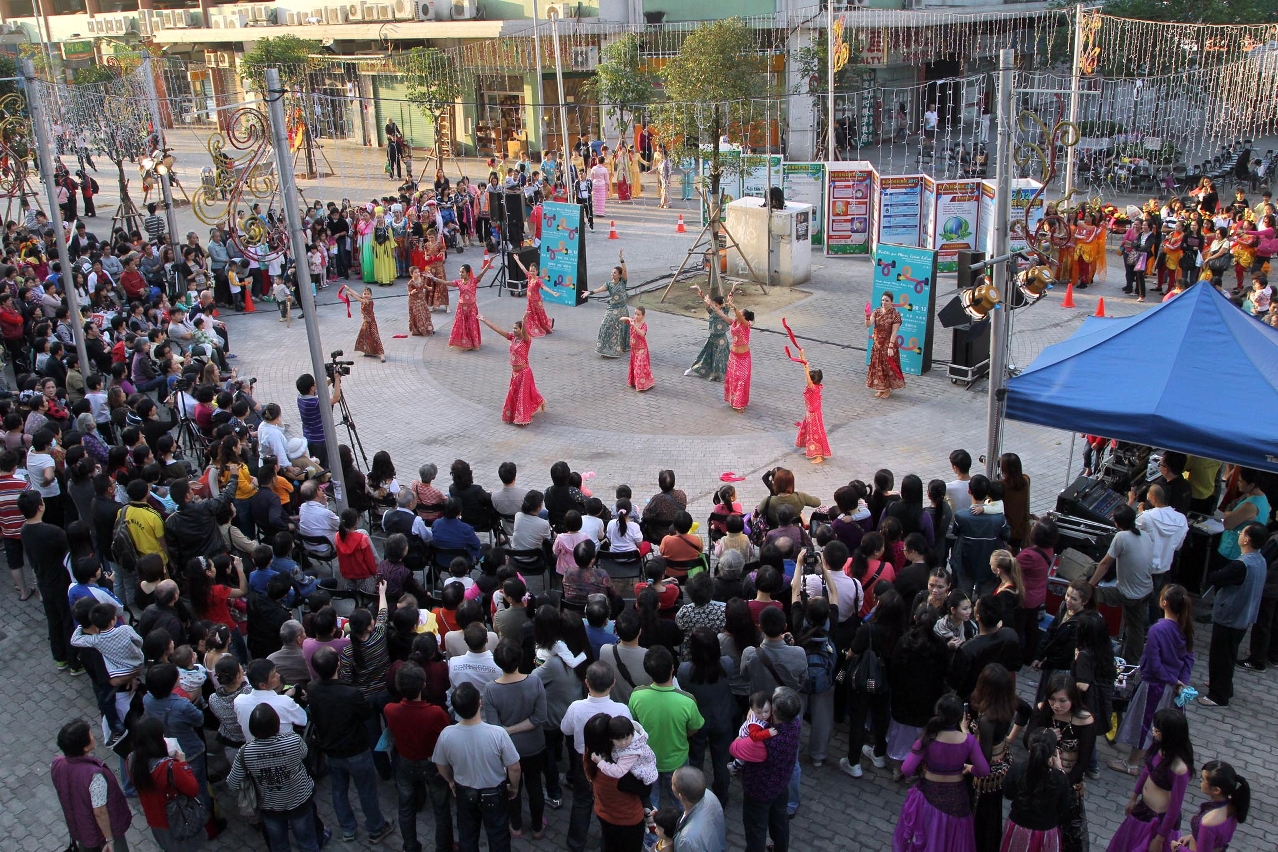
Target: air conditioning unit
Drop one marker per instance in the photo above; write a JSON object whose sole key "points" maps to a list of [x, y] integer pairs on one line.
{"points": [[335, 15], [145, 27], [114, 26], [166, 19], [355, 12], [404, 10], [181, 18], [464, 10], [237, 21], [584, 58], [384, 12], [93, 26], [290, 18], [564, 10], [260, 13]]}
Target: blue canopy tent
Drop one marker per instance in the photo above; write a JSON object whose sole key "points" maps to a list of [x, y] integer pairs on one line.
{"points": [[1195, 375]]}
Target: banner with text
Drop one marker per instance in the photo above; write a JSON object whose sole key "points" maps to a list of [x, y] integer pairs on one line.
{"points": [[909, 274], [900, 207], [849, 204], [805, 184], [954, 221], [563, 253]]}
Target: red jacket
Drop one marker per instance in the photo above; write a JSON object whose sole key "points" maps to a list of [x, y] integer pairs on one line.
{"points": [[11, 324], [133, 283], [153, 800], [355, 557]]}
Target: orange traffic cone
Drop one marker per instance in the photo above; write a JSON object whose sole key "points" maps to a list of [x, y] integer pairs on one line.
{"points": [[1068, 301], [612, 231], [681, 228], [485, 263], [249, 307], [1100, 307]]}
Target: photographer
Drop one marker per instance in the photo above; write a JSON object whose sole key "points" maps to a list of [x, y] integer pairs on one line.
{"points": [[308, 407]]}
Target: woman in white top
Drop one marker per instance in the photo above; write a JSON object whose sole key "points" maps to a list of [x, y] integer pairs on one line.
{"points": [[531, 530], [270, 434], [591, 522], [624, 534]]}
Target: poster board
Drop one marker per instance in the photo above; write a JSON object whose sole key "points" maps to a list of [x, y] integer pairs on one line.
{"points": [[563, 253], [729, 179], [805, 183], [909, 274], [1023, 190], [754, 174], [953, 221], [874, 212], [849, 207], [899, 202], [927, 212]]}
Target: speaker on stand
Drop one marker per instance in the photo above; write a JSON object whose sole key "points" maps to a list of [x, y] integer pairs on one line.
{"points": [[516, 281]]}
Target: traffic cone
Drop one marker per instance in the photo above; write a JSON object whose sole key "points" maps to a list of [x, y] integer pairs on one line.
{"points": [[1100, 307], [612, 231], [1068, 301], [485, 262], [681, 228], [249, 307]]}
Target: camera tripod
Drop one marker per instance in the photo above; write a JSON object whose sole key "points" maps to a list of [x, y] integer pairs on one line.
{"points": [[352, 434]]}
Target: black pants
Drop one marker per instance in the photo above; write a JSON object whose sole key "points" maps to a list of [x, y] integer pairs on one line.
{"points": [[583, 802], [530, 781], [1264, 635], [550, 763], [622, 838], [343, 259], [587, 205], [1220, 662], [57, 612], [876, 707], [486, 807]]}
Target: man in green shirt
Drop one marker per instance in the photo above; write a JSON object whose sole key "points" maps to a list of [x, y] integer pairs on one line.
{"points": [[669, 715]]}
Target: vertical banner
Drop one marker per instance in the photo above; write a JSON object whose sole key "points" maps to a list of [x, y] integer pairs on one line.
{"points": [[873, 224], [927, 212], [909, 274], [849, 203], [729, 179], [985, 217], [954, 221], [563, 253], [754, 174], [805, 183], [1023, 190], [900, 206]]}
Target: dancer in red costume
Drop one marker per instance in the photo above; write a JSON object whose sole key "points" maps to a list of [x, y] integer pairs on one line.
{"points": [[884, 375], [369, 340], [535, 319], [465, 334], [522, 400], [811, 435], [640, 377], [419, 320], [736, 382]]}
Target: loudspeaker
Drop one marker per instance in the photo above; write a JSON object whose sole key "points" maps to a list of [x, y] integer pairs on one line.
{"points": [[513, 221], [953, 315], [517, 282], [971, 345]]}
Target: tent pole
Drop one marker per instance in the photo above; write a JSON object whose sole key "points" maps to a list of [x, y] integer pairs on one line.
{"points": [[1069, 466]]}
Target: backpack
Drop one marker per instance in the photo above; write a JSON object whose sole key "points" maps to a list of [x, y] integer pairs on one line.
{"points": [[821, 666], [868, 677], [123, 550]]}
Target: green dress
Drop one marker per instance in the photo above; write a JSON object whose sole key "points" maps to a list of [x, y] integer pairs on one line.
{"points": [[712, 363], [384, 270], [614, 336]]}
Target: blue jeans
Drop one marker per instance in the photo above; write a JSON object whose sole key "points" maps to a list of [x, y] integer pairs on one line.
{"points": [[412, 778], [486, 807], [550, 766], [661, 790], [792, 790], [359, 768], [761, 818], [300, 820]]}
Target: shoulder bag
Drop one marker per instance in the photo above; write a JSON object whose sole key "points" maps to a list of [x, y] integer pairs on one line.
{"points": [[772, 670], [246, 795], [186, 815], [621, 668]]}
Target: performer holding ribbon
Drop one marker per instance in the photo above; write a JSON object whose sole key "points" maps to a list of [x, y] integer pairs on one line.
{"points": [[811, 435], [465, 334], [536, 323], [522, 399], [419, 321], [369, 340], [884, 375], [640, 377]]}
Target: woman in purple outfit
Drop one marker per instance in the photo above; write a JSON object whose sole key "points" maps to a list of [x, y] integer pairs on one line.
{"points": [[1165, 667], [937, 814], [1153, 812], [1229, 799]]}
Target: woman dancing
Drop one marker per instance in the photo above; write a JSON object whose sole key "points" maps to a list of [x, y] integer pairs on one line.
{"points": [[369, 340], [712, 361], [812, 435], [433, 265], [640, 377], [736, 381], [383, 241], [613, 339], [535, 319], [522, 399], [465, 333], [884, 375], [419, 321]]}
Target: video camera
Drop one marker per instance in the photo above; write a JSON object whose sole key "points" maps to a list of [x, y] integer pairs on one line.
{"points": [[336, 366]]}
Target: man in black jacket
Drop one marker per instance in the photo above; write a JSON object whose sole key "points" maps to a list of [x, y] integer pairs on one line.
{"points": [[266, 615], [995, 643], [192, 530], [167, 612], [339, 716], [46, 546]]}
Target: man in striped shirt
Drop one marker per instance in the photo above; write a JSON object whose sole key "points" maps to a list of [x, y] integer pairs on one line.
{"points": [[11, 486], [154, 224]]}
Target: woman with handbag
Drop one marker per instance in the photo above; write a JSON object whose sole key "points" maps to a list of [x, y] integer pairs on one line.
{"points": [[167, 789], [865, 678], [272, 767], [1216, 258]]}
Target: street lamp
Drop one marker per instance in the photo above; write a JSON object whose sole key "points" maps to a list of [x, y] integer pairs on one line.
{"points": [[552, 14]]}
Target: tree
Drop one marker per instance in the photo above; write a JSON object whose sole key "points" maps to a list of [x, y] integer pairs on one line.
{"points": [[709, 84], [1196, 11], [93, 74], [434, 85], [620, 83], [288, 53]]}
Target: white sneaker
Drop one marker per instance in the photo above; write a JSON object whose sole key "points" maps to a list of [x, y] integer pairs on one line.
{"points": [[879, 762], [688, 372], [853, 769]]}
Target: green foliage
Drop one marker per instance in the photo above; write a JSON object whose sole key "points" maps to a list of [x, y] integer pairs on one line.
{"points": [[814, 70], [709, 83], [288, 53], [9, 69], [620, 83], [91, 74], [434, 84], [1197, 11]]}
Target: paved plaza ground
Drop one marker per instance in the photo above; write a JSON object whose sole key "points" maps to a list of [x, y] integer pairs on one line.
{"points": [[428, 403]]}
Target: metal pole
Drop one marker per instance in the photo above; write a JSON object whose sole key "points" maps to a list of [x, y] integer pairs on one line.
{"points": [[1075, 86], [288, 199], [153, 100], [538, 96], [831, 153], [44, 149], [553, 15], [998, 247]]}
